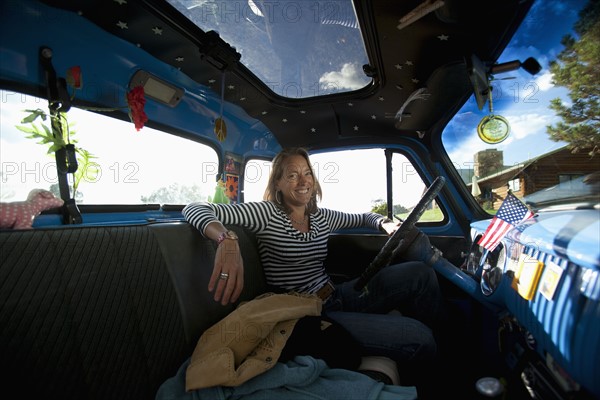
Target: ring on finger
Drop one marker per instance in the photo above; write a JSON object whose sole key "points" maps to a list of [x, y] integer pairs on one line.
{"points": [[224, 276]]}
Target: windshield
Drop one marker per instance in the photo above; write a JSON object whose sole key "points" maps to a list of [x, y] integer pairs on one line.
{"points": [[552, 136], [585, 190], [298, 49]]}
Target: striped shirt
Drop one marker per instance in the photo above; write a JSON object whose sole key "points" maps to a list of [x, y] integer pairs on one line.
{"points": [[292, 260]]}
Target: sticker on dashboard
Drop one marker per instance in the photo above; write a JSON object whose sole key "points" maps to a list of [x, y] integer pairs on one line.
{"points": [[527, 276], [550, 280]]}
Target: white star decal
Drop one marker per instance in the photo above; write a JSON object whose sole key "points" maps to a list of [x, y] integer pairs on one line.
{"points": [[242, 98], [179, 59], [313, 130], [398, 66], [399, 87], [303, 112], [381, 98], [121, 2], [350, 104], [415, 80], [355, 127], [122, 25], [373, 117], [284, 120], [264, 112], [211, 81], [231, 87], [443, 37], [408, 62], [157, 30]]}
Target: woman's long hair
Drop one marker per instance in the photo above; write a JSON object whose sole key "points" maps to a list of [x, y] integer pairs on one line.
{"points": [[277, 172]]}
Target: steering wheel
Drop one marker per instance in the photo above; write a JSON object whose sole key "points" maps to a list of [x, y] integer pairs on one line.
{"points": [[398, 238]]}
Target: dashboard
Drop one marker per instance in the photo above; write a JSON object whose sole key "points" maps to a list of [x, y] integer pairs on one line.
{"points": [[545, 276]]}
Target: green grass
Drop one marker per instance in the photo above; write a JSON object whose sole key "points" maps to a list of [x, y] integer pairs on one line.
{"points": [[434, 215]]}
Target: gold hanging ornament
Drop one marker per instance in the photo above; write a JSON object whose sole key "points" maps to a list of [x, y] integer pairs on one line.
{"points": [[493, 129], [220, 126], [220, 129]]}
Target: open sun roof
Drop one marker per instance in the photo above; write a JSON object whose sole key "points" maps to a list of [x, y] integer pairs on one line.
{"points": [[299, 49]]}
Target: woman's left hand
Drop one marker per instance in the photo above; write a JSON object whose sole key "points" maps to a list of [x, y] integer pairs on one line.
{"points": [[390, 227]]}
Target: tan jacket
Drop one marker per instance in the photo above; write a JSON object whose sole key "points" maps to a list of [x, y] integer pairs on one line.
{"points": [[248, 341]]}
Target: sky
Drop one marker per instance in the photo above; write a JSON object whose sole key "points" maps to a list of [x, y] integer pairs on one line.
{"points": [[523, 101]]}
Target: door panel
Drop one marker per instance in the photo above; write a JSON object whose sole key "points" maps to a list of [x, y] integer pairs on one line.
{"points": [[350, 253]]}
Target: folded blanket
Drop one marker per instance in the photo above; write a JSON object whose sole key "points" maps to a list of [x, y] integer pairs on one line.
{"points": [[303, 378]]}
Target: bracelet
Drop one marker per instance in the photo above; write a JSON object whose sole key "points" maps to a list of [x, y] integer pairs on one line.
{"points": [[226, 235]]}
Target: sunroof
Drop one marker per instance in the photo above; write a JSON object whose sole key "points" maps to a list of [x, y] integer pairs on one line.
{"points": [[298, 48]]}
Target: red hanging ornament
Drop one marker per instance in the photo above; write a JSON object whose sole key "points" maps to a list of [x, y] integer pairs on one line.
{"points": [[74, 78], [136, 102]]}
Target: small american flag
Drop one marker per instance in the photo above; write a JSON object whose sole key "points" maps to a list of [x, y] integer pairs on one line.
{"points": [[511, 212]]}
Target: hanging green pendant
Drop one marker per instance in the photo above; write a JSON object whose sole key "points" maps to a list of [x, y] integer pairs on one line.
{"points": [[493, 129]]}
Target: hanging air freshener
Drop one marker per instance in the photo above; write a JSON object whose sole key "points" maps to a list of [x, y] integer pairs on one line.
{"points": [[493, 129], [220, 126]]}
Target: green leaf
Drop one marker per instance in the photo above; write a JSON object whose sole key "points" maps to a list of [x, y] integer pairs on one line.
{"points": [[26, 129], [48, 130], [29, 119], [34, 114], [54, 148]]}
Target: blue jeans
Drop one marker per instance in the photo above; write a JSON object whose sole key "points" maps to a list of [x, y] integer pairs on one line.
{"points": [[411, 288]]}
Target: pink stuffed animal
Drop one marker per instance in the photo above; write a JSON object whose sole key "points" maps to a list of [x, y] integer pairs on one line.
{"points": [[20, 214]]}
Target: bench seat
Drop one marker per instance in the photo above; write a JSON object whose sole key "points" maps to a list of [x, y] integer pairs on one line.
{"points": [[107, 312]]}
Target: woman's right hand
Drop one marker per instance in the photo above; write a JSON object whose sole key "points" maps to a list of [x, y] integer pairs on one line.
{"points": [[228, 261]]}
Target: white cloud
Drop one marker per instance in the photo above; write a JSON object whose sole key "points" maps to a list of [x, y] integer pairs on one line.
{"points": [[544, 82], [349, 77], [524, 125]]}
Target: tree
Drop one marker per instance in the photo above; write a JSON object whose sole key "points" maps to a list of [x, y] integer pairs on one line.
{"points": [[175, 194], [379, 207], [55, 190], [576, 68]]}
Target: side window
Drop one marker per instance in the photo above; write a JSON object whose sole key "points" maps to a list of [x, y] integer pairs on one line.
{"points": [[344, 177], [121, 166], [408, 189], [354, 181], [256, 176]]}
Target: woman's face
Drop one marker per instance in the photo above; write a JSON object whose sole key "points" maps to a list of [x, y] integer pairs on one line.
{"points": [[297, 183]]}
